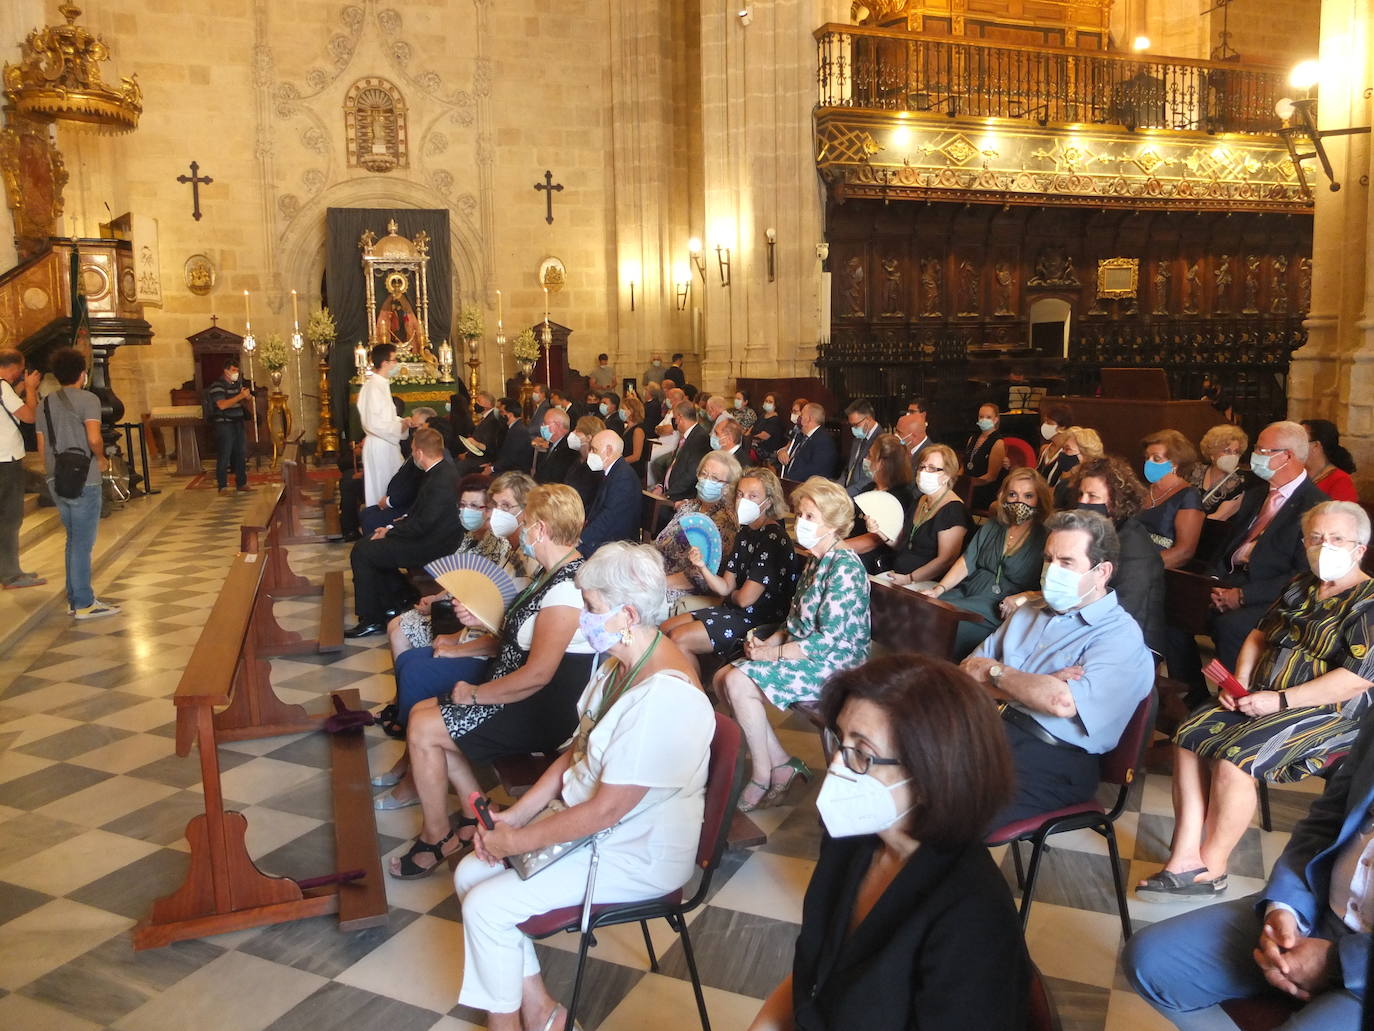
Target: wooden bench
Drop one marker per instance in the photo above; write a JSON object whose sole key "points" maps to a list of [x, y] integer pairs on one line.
{"points": [[299, 501], [656, 513], [263, 532], [223, 889], [905, 621]]}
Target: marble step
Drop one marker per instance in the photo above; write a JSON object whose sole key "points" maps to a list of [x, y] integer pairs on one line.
{"points": [[37, 524]]}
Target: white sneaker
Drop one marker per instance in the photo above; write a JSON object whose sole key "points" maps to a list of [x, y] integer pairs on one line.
{"points": [[96, 610]]}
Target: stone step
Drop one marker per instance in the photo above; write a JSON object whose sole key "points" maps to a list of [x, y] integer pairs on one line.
{"points": [[37, 524], [30, 504]]}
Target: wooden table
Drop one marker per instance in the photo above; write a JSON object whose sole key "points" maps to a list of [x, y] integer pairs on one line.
{"points": [[184, 419]]}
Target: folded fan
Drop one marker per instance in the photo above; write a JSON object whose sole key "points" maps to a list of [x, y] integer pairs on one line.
{"points": [[483, 587]]}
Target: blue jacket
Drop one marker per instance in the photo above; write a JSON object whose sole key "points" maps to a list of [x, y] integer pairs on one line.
{"points": [[616, 512], [1301, 877], [815, 455]]}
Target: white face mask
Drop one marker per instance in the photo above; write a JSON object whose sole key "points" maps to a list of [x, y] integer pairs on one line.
{"points": [[930, 483], [856, 803], [747, 511], [1048, 430], [808, 533], [232, 377], [1227, 463], [575, 440], [595, 462], [795, 417], [1330, 563], [391, 372], [1061, 587], [503, 523]]}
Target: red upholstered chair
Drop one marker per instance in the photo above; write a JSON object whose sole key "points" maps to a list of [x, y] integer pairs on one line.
{"points": [[1043, 1014], [1020, 453], [1117, 767], [724, 780]]}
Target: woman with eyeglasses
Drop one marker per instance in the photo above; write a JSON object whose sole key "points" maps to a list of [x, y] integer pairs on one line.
{"points": [[1219, 477], [933, 537], [907, 921], [717, 476], [1308, 668]]}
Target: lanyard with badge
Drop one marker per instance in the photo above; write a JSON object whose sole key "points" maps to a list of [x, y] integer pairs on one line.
{"points": [[615, 687]]}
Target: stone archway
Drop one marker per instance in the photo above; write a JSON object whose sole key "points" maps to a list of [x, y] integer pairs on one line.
{"points": [[301, 250]]}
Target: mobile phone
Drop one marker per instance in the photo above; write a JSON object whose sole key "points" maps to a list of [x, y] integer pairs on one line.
{"points": [[482, 807], [1224, 679]]}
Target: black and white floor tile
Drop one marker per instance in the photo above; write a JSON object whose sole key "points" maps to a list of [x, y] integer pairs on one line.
{"points": [[93, 803]]}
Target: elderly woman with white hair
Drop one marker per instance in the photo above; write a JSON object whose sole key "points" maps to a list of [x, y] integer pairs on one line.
{"points": [[1308, 667], [636, 769]]}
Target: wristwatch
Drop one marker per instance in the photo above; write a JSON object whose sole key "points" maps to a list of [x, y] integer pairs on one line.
{"points": [[995, 672]]}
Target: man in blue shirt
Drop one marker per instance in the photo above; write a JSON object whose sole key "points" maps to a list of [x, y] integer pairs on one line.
{"points": [[1072, 669]]}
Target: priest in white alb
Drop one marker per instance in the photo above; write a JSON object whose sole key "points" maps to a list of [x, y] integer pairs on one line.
{"points": [[384, 429]]}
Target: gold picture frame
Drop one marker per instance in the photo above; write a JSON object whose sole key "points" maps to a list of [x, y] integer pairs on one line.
{"points": [[1118, 277]]}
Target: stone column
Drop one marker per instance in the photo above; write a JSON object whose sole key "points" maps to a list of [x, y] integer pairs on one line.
{"points": [[1333, 375]]}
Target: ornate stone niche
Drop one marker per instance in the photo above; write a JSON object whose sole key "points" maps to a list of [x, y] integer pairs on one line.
{"points": [[375, 126]]}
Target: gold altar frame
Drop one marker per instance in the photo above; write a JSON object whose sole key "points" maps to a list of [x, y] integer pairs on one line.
{"points": [[393, 253], [1118, 277]]}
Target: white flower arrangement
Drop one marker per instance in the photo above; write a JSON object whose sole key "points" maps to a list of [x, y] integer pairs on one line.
{"points": [[470, 323], [526, 347]]}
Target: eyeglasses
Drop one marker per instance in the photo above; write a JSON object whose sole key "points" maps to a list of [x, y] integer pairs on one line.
{"points": [[855, 758], [506, 506], [1272, 450], [1316, 540], [928, 468]]}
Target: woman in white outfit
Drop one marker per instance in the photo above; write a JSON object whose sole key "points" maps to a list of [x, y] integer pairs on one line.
{"points": [[637, 765], [384, 428]]}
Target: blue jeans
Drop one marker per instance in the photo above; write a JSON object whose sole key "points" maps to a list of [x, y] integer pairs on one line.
{"points": [[1187, 965], [81, 517]]}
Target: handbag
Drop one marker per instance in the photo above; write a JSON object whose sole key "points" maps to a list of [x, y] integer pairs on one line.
{"points": [[70, 466], [527, 864]]}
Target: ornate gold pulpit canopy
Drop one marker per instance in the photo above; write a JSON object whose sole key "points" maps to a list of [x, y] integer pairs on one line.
{"points": [[402, 267]]}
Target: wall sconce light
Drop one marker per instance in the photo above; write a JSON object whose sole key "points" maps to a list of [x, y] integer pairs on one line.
{"points": [[1300, 120], [694, 250], [723, 262], [822, 251], [745, 15], [771, 235], [684, 288], [1140, 44]]}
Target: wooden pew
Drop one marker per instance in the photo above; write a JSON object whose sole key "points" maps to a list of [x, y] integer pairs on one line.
{"points": [[655, 514], [299, 501], [1188, 600], [904, 621], [223, 889], [263, 533]]}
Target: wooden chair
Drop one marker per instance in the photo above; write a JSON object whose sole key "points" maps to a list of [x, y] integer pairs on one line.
{"points": [[724, 779], [1188, 600], [223, 890], [1333, 763], [656, 513], [1117, 767]]}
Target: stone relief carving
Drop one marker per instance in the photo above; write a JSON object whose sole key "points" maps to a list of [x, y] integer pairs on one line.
{"points": [[375, 126]]}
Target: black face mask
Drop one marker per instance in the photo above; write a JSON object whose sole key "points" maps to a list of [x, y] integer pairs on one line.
{"points": [[1099, 509], [1067, 462]]}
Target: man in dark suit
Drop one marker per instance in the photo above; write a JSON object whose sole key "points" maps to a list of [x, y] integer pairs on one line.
{"points": [[863, 425], [814, 452], [428, 531], [914, 429], [653, 407], [573, 409], [539, 397], [489, 430], [515, 453], [1307, 934], [673, 374], [680, 480], [1262, 552], [559, 458], [615, 513]]}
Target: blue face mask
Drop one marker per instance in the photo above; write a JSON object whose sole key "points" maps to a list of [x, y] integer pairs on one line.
{"points": [[471, 518], [525, 546], [986, 425], [1156, 471], [1263, 467], [715, 442], [605, 409], [868, 468], [546, 433], [593, 627], [624, 414], [858, 432], [1061, 587], [710, 490]]}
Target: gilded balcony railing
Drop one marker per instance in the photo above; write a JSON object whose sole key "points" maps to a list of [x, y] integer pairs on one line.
{"points": [[890, 70]]}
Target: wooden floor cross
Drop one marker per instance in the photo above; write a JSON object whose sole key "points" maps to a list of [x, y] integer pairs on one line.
{"points": [[548, 185], [196, 180]]}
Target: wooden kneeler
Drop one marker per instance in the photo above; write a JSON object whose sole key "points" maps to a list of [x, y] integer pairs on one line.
{"points": [[223, 889]]}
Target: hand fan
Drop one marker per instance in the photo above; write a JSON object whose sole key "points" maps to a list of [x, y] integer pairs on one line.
{"points": [[484, 588]]}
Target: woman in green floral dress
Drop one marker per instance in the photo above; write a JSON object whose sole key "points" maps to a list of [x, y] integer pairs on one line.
{"points": [[827, 630]]}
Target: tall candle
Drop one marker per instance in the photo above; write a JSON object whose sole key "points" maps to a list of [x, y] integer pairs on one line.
{"points": [[546, 304], [295, 310], [247, 315], [498, 311]]}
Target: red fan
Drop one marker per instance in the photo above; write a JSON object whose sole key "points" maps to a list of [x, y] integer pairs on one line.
{"points": [[1223, 678]]}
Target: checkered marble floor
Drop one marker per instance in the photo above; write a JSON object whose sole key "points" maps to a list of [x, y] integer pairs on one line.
{"points": [[93, 803]]}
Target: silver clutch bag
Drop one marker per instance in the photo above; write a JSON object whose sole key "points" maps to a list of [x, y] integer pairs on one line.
{"points": [[527, 864]]}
